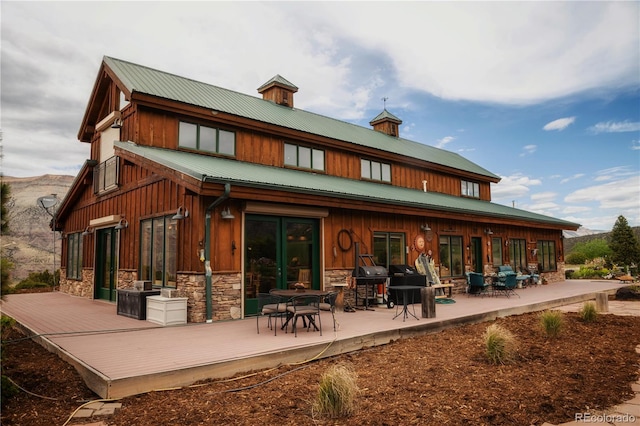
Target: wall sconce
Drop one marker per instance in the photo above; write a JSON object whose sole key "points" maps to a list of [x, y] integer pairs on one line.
{"points": [[488, 231], [425, 227], [117, 123], [122, 224], [88, 230], [181, 213], [201, 255], [226, 214]]}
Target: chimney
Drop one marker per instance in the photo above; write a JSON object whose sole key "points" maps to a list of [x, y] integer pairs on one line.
{"points": [[278, 90], [386, 123]]}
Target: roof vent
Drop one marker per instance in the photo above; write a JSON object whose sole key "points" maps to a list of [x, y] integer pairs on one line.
{"points": [[278, 90], [386, 123]]}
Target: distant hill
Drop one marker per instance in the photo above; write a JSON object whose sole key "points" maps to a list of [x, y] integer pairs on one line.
{"points": [[29, 244], [570, 242]]}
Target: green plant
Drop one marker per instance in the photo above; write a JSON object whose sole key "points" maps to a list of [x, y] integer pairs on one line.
{"points": [[337, 392], [588, 313], [25, 284], [500, 344], [5, 275], [552, 322]]}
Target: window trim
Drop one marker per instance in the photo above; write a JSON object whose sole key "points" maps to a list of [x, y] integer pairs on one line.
{"points": [[451, 252], [547, 256], [370, 166], [312, 152], [167, 269], [198, 147], [469, 189], [388, 236], [74, 256]]}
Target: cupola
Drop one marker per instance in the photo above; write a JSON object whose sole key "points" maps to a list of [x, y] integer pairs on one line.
{"points": [[278, 90], [386, 123]]}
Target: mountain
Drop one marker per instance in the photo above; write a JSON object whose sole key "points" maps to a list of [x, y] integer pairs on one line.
{"points": [[29, 244], [581, 232]]}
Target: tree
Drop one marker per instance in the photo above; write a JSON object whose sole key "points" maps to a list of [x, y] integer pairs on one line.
{"points": [[588, 251], [5, 194], [624, 245]]}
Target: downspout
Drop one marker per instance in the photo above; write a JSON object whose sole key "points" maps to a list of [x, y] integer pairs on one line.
{"points": [[207, 249]]}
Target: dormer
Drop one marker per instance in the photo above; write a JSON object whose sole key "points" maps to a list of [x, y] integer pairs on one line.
{"points": [[278, 90], [386, 123]]}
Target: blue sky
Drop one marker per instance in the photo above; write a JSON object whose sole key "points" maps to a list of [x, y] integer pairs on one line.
{"points": [[544, 94]]}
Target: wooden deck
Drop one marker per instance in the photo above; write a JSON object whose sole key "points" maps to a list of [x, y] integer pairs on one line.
{"points": [[119, 356]]}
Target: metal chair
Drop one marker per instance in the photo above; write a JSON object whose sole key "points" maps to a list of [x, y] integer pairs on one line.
{"points": [[476, 284], [272, 307], [329, 304], [305, 306]]}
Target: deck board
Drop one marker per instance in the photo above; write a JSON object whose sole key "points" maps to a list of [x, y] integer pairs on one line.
{"points": [[123, 356]]}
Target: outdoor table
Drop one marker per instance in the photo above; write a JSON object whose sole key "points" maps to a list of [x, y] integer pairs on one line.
{"points": [[405, 295], [290, 293]]}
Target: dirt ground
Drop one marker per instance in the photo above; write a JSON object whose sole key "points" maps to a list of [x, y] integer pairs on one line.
{"points": [[437, 379]]}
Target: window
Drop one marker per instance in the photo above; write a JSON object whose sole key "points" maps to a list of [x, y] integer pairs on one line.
{"points": [[158, 250], [105, 175], [303, 157], [375, 170], [496, 251], [470, 189], [74, 256], [547, 256], [389, 248], [209, 139], [450, 256], [518, 254]]}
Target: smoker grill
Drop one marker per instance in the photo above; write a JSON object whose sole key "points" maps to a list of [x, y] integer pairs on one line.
{"points": [[368, 275], [405, 275]]}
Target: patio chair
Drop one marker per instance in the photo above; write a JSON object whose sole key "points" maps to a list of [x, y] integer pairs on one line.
{"points": [[328, 303], [506, 284], [476, 284], [307, 307], [272, 307]]}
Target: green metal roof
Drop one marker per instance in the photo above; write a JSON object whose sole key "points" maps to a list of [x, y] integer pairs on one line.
{"points": [[137, 78], [386, 115], [214, 169], [279, 80]]}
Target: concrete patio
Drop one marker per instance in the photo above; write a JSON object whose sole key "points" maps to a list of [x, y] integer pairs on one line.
{"points": [[119, 356]]}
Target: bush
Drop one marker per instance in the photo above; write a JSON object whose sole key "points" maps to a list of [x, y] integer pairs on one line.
{"points": [[590, 273], [25, 284], [500, 345], [337, 392], [42, 277], [588, 313], [575, 258], [552, 322]]}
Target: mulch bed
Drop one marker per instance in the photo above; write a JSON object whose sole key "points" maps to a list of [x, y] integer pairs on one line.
{"points": [[437, 379]]}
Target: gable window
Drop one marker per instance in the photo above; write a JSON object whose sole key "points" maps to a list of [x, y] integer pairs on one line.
{"points": [[74, 256], [450, 256], [470, 189], [158, 248], [547, 256], [389, 248], [375, 170], [303, 157], [496, 251], [209, 139]]}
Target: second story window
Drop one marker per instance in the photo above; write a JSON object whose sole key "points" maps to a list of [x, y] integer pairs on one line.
{"points": [[375, 170], [105, 175], [209, 139], [303, 157], [470, 189]]}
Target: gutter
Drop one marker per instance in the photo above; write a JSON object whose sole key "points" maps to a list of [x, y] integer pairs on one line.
{"points": [[207, 248]]}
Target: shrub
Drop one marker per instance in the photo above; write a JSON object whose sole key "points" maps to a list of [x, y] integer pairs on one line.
{"points": [[26, 284], [337, 392], [575, 258], [552, 322], [500, 345], [588, 312]]}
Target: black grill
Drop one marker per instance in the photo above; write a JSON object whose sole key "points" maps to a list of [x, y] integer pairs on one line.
{"points": [[405, 275]]}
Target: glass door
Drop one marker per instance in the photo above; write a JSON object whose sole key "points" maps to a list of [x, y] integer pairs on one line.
{"points": [[476, 254], [106, 264], [279, 252]]}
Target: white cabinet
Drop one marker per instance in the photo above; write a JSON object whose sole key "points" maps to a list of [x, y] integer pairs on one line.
{"points": [[167, 311]]}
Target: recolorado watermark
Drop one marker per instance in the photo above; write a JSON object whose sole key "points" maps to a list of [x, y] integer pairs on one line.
{"points": [[604, 418]]}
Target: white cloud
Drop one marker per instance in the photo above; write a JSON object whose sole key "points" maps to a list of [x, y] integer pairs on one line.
{"points": [[635, 145], [576, 209], [512, 187], [544, 196], [528, 150], [615, 127], [559, 124], [622, 195], [444, 141], [574, 177]]}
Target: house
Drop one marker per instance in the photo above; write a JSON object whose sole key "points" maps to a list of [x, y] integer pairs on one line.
{"points": [[219, 195]]}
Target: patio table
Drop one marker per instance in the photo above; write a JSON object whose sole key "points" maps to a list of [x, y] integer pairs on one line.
{"points": [[290, 293], [405, 296]]}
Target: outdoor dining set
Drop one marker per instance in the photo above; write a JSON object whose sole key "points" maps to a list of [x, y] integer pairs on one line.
{"points": [[294, 304], [505, 281]]}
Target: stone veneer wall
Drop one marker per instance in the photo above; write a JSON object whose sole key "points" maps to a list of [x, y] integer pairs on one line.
{"points": [[82, 288]]}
